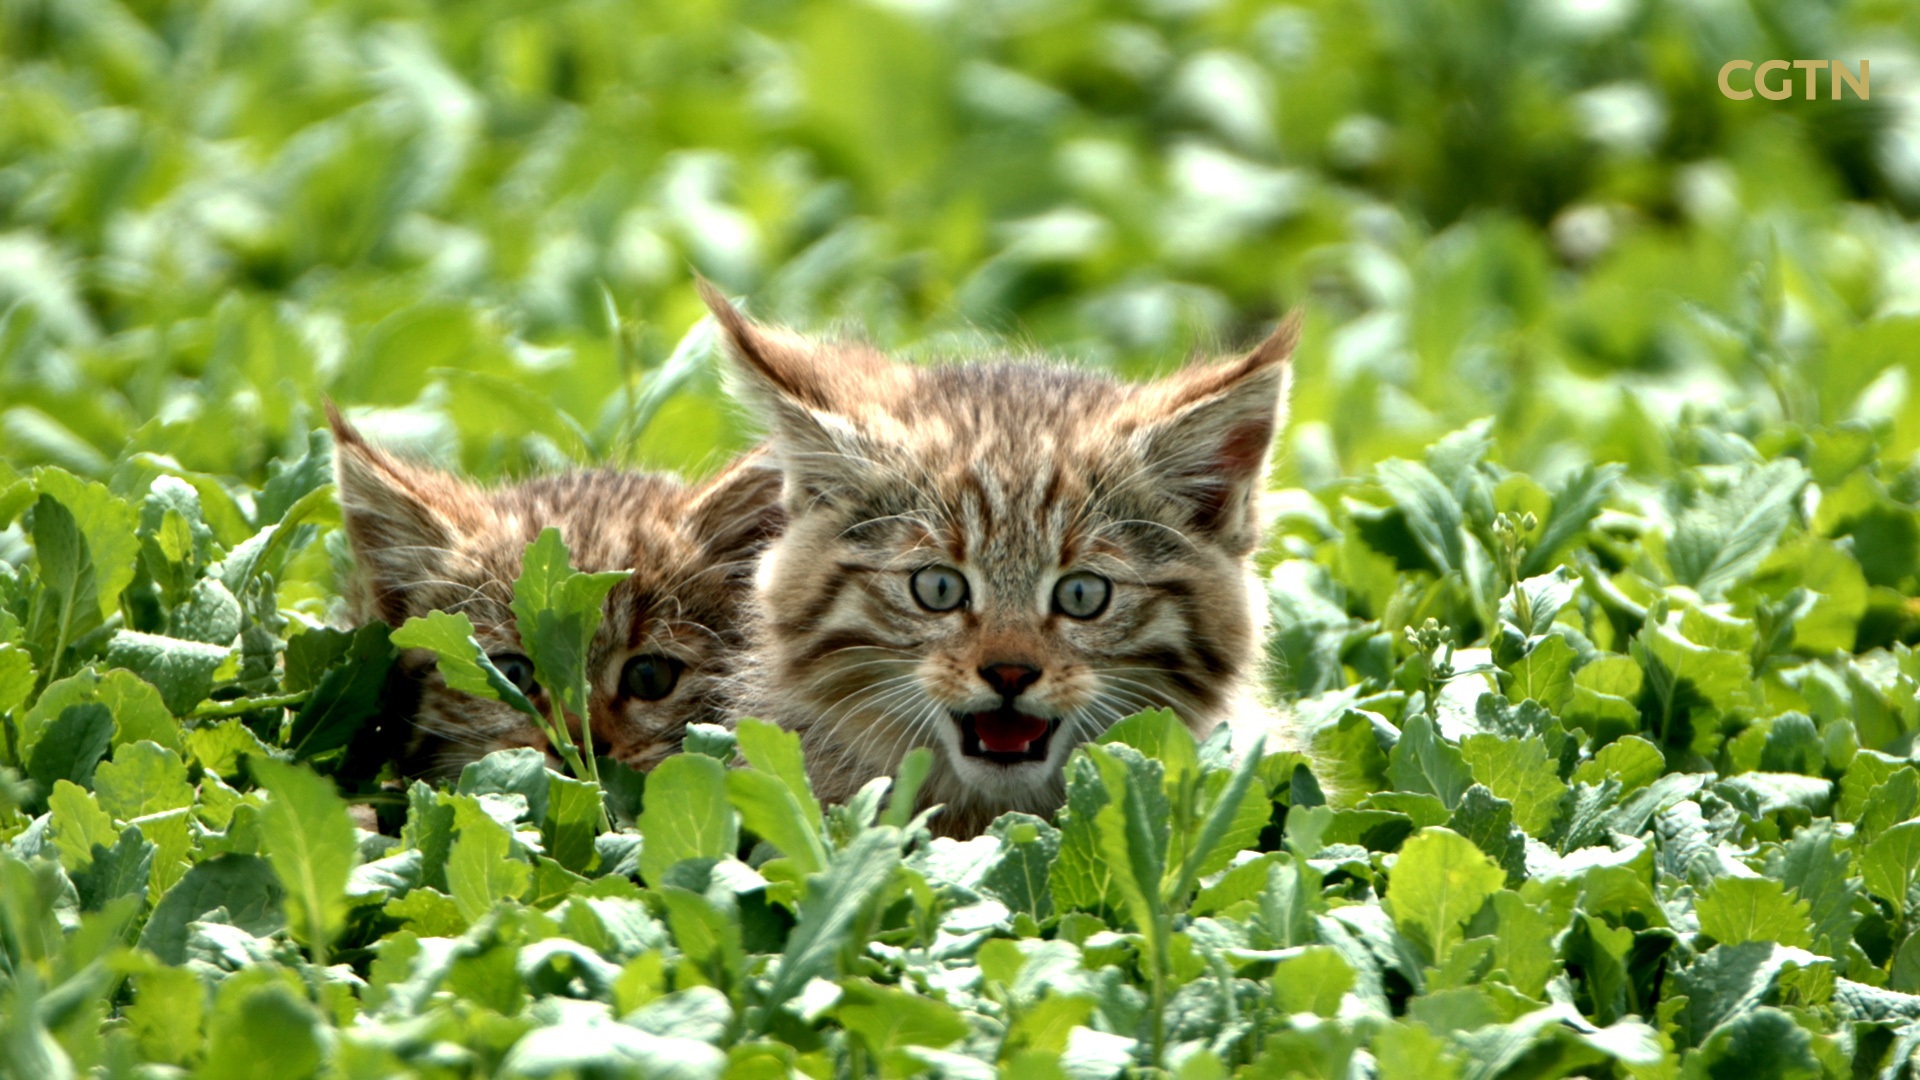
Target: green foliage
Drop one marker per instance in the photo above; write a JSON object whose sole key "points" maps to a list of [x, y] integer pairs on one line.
{"points": [[1591, 571]]}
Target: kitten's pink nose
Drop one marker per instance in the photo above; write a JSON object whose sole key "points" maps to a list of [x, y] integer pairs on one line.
{"points": [[1010, 679]]}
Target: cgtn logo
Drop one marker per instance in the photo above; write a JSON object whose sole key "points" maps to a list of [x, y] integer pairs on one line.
{"points": [[1783, 88]]}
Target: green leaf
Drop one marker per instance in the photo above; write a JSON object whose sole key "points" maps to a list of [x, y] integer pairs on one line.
{"points": [[686, 815], [345, 697], [1532, 604], [71, 746], [1574, 507], [16, 677], [310, 843], [244, 885], [571, 821], [181, 670], [113, 872], [1134, 830], [221, 747], [78, 825], [1488, 822], [480, 868], [1432, 514], [1439, 881], [1740, 910], [556, 610], [884, 1019], [143, 778], [1519, 771], [834, 903], [1728, 531], [106, 522], [261, 1026], [773, 797], [1021, 877], [1545, 674], [136, 708], [1890, 863], [1313, 980], [1209, 852], [1631, 760], [463, 663], [1423, 762]]}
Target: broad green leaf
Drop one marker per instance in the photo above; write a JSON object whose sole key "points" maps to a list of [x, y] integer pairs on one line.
{"points": [[1890, 863], [481, 869], [1021, 877], [221, 747], [113, 872], [463, 664], [136, 708], [773, 797], [345, 697], [885, 1019], [835, 901], [572, 818], [244, 885], [1631, 760], [556, 610], [106, 522], [143, 778], [261, 1026], [1424, 762], [1545, 674], [1727, 531], [686, 815], [78, 825], [1439, 881], [71, 746], [16, 677], [310, 843], [1519, 771], [169, 1006], [1735, 911], [1432, 514], [1488, 822], [181, 670], [1533, 604], [1312, 981]]}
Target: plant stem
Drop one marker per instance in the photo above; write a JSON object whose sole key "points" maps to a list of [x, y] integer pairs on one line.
{"points": [[210, 710]]}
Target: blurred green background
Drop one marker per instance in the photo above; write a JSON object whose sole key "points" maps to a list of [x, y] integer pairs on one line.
{"points": [[476, 222]]}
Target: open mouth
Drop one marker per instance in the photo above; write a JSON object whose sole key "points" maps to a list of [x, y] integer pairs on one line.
{"points": [[1005, 736]]}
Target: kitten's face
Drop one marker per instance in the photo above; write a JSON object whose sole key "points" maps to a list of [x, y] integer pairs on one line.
{"points": [[426, 541], [1001, 561]]}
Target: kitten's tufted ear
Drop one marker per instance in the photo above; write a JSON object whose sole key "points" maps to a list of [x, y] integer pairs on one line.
{"points": [[1210, 431], [804, 391], [738, 511], [401, 520]]}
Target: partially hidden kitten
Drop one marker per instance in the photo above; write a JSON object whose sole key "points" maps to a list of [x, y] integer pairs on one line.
{"points": [[423, 540], [1000, 560]]}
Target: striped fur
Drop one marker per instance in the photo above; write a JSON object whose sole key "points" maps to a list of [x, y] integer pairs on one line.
{"points": [[423, 541], [1016, 474]]}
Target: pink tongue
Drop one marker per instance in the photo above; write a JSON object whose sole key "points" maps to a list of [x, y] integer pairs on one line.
{"points": [[1007, 732]]}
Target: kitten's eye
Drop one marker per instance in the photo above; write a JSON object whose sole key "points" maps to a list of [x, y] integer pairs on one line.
{"points": [[517, 669], [650, 677], [939, 588], [1082, 594]]}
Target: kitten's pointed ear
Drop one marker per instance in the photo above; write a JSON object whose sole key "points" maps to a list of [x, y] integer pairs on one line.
{"points": [[803, 391], [391, 510], [736, 512], [1214, 433]]}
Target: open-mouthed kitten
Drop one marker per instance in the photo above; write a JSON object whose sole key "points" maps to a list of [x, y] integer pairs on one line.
{"points": [[423, 540], [1000, 560]]}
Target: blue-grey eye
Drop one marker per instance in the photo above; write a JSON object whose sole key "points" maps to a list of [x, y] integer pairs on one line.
{"points": [[650, 677], [939, 588], [1082, 594], [517, 670]]}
